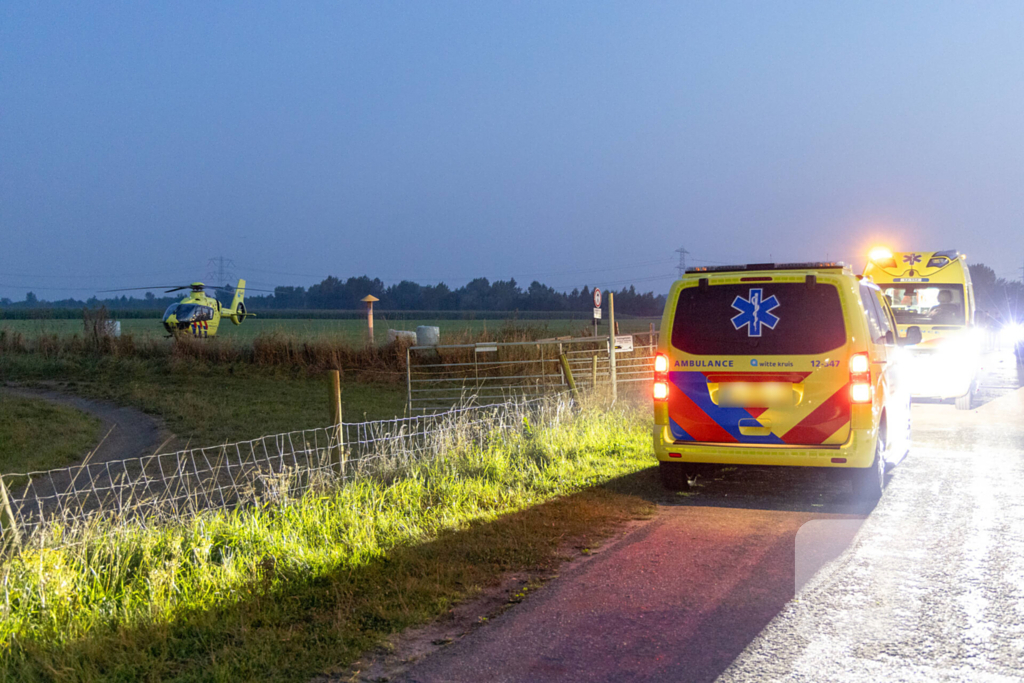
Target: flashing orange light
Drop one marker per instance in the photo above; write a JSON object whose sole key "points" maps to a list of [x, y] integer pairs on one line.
{"points": [[880, 254]]}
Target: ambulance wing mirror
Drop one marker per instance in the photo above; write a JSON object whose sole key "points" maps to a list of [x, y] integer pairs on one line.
{"points": [[912, 337]]}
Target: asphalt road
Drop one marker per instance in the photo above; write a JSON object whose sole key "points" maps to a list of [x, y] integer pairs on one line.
{"points": [[774, 574]]}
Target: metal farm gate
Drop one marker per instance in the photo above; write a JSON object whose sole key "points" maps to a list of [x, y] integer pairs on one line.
{"points": [[439, 377]]}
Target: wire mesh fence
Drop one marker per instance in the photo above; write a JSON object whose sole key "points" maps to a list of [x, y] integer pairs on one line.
{"points": [[159, 487], [438, 377]]}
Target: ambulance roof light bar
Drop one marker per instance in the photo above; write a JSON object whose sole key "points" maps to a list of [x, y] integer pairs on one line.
{"points": [[809, 265]]}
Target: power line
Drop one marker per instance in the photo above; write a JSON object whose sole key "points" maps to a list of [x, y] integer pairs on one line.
{"points": [[219, 270], [682, 261], [629, 281], [458, 278]]}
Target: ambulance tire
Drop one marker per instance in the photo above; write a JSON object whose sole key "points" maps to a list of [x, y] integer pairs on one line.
{"points": [[869, 481], [966, 401], [673, 476]]}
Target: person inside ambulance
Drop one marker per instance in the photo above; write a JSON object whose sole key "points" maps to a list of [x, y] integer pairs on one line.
{"points": [[946, 311]]}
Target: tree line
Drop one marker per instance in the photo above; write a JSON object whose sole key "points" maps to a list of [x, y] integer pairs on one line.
{"points": [[997, 298], [336, 294]]}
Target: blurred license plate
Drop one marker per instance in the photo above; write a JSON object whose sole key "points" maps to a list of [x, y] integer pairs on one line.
{"points": [[755, 394]]}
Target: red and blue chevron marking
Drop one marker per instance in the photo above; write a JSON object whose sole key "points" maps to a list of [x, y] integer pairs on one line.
{"points": [[693, 416]]}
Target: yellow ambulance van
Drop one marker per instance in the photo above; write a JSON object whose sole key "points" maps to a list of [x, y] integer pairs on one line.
{"points": [[791, 364], [932, 290]]}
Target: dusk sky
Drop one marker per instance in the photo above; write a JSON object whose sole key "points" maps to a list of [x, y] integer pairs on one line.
{"points": [[573, 143]]}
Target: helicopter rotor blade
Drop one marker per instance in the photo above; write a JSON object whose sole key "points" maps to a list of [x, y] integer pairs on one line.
{"points": [[132, 289], [174, 288]]}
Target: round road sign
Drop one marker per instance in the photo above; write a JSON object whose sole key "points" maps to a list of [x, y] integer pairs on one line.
{"points": [[597, 298]]}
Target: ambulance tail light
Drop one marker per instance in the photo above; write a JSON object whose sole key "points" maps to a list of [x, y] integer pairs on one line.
{"points": [[860, 378], [660, 389]]}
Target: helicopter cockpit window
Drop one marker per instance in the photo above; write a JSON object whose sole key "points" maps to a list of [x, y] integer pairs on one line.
{"points": [[189, 313]]}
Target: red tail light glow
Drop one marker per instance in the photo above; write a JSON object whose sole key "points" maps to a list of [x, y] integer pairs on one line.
{"points": [[661, 364], [860, 378], [660, 389]]}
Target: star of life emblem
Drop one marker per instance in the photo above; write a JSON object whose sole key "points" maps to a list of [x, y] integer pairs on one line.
{"points": [[755, 312]]}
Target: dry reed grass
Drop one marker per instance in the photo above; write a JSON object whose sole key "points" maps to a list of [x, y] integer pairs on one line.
{"points": [[313, 354]]}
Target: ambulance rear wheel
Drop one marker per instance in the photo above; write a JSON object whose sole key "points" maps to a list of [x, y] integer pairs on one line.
{"points": [[964, 402], [869, 481], [673, 476]]}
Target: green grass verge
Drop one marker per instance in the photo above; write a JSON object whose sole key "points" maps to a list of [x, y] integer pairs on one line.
{"points": [[205, 403], [284, 592], [37, 435]]}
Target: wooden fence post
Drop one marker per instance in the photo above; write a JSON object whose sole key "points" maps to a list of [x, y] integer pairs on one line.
{"points": [[9, 524], [569, 379]]}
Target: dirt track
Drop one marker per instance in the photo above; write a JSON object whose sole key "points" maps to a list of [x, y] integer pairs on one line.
{"points": [[132, 433]]}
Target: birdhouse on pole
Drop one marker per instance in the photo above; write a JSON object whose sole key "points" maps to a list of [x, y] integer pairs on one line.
{"points": [[368, 300]]}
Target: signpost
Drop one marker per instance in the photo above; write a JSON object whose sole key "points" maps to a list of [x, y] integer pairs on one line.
{"points": [[623, 343], [597, 308], [611, 345]]}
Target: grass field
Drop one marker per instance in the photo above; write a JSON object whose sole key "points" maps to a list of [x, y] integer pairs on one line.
{"points": [[206, 404], [37, 435], [287, 591], [353, 331]]}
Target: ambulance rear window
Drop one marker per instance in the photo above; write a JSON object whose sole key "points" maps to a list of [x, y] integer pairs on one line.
{"points": [[789, 318]]}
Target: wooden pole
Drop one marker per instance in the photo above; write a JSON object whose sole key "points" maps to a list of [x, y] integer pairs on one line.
{"points": [[11, 533], [408, 381], [369, 319], [568, 378], [593, 372], [334, 388], [611, 356]]}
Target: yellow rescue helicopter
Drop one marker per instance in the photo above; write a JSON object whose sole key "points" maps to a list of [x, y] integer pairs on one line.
{"points": [[198, 315]]}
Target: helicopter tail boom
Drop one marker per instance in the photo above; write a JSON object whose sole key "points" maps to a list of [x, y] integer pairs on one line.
{"points": [[237, 311]]}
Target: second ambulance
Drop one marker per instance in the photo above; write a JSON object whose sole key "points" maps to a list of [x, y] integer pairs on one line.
{"points": [[931, 290]]}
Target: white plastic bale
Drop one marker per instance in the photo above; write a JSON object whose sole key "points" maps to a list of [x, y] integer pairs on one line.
{"points": [[428, 335], [402, 336]]}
